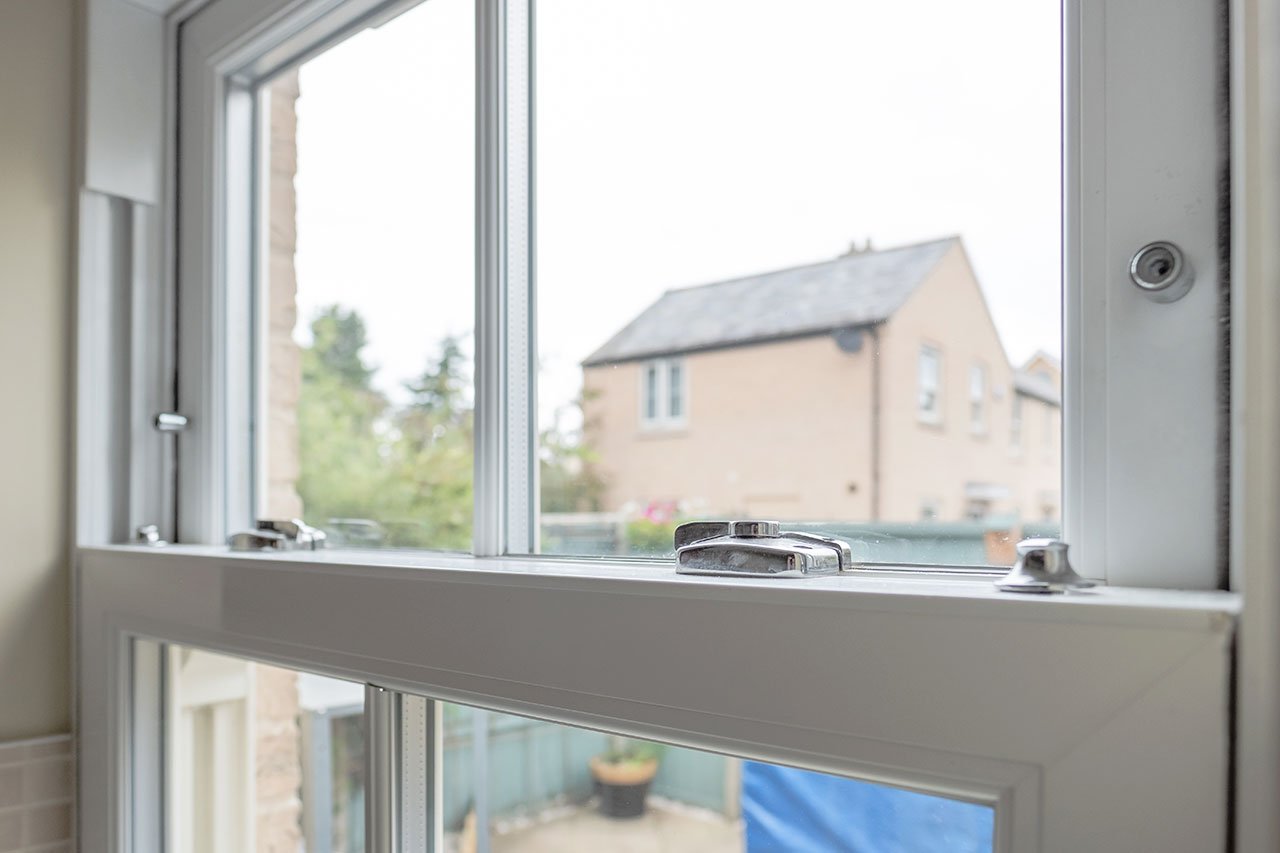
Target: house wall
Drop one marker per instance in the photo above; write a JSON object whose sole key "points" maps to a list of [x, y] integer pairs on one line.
{"points": [[779, 430], [932, 462], [36, 125]]}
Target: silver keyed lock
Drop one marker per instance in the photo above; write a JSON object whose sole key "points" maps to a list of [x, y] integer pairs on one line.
{"points": [[1042, 567], [1161, 271]]}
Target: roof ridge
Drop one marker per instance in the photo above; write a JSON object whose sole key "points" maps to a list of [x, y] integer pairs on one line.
{"points": [[811, 265], [853, 293]]}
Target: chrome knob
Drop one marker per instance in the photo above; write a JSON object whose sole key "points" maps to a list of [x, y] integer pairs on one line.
{"points": [[1042, 567]]}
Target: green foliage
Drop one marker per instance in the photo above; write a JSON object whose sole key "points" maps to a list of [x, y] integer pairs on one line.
{"points": [[625, 750], [647, 537], [406, 469], [569, 480], [338, 337], [374, 473]]}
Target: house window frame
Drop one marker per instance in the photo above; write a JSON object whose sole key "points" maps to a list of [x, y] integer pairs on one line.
{"points": [[1016, 422], [978, 399], [933, 414], [202, 596], [657, 395]]}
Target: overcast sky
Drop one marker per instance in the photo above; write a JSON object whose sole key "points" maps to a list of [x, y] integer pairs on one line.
{"points": [[681, 142]]}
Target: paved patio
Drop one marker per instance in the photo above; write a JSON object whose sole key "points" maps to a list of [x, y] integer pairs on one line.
{"points": [[665, 827]]}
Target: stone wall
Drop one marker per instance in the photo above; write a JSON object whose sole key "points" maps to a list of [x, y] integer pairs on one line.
{"points": [[277, 760], [284, 364], [277, 741]]}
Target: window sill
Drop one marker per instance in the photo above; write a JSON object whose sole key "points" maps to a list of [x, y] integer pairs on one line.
{"points": [[967, 591], [650, 431]]}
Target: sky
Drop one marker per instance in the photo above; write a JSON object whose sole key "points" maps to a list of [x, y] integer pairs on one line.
{"points": [[680, 142]]}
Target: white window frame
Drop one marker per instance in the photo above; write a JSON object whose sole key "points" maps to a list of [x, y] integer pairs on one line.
{"points": [[662, 418], [980, 706], [1017, 415], [978, 398], [929, 414]]}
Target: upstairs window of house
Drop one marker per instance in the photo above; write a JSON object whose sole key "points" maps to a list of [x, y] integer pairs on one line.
{"points": [[675, 390], [978, 399], [662, 402], [929, 403], [652, 396], [1015, 423]]}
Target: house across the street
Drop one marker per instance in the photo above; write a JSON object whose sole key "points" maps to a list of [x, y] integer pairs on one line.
{"points": [[872, 387]]}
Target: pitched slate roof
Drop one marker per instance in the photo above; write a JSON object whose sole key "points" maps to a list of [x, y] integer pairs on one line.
{"points": [[850, 291]]}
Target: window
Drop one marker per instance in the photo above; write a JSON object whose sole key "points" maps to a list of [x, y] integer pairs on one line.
{"points": [[262, 757], [625, 645], [663, 393], [1050, 431], [652, 398], [516, 783], [978, 399], [1015, 422], [675, 390], [780, 283], [368, 286], [929, 510], [929, 382]]}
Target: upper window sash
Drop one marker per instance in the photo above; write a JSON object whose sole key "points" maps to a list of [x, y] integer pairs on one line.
{"points": [[1135, 169]]}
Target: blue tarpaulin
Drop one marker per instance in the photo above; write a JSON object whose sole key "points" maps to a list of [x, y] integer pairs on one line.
{"points": [[801, 811]]}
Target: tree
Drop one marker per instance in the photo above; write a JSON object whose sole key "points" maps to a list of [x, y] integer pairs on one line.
{"points": [[570, 478], [338, 335], [405, 472], [434, 454], [342, 470]]}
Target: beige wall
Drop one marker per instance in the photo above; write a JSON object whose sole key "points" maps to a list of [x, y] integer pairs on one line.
{"points": [[924, 461], [739, 454], [36, 125]]}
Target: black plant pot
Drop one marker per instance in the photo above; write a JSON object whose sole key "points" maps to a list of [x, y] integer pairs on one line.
{"points": [[622, 801]]}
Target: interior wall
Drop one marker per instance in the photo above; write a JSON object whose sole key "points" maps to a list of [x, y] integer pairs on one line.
{"points": [[36, 127]]}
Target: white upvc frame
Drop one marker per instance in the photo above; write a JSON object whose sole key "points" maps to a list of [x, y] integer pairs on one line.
{"points": [[938, 685], [929, 682]]}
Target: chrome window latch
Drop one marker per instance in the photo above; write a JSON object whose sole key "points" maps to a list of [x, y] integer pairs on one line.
{"points": [[279, 535], [149, 535], [170, 422], [1042, 567], [756, 549]]}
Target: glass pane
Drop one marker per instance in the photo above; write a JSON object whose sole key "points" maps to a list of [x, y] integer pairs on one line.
{"points": [[262, 757], [517, 784], [793, 199], [675, 383], [368, 285]]}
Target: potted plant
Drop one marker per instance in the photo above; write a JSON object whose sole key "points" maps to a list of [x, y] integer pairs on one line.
{"points": [[623, 774]]}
